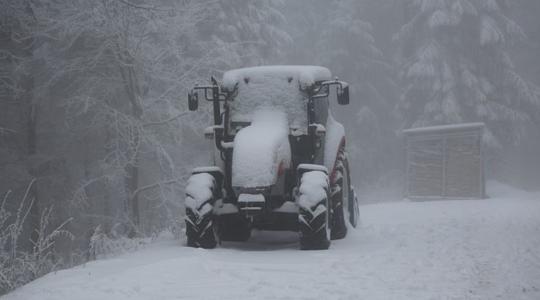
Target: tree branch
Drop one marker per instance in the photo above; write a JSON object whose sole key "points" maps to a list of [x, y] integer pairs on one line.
{"points": [[153, 185], [140, 6], [166, 120], [4, 130]]}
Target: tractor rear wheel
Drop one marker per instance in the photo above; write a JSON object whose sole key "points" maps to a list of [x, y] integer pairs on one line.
{"points": [[354, 209], [314, 212], [340, 191]]}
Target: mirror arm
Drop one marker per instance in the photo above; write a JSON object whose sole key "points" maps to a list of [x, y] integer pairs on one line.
{"points": [[227, 96], [218, 137], [341, 84]]}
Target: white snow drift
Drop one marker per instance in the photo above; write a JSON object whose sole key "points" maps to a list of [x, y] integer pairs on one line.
{"points": [[478, 249], [278, 87], [199, 190], [313, 189]]}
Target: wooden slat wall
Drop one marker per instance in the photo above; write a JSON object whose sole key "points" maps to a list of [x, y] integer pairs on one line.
{"points": [[445, 165], [464, 167], [425, 168]]}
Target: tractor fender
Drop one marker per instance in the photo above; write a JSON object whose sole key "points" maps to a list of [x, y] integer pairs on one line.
{"points": [[334, 142]]}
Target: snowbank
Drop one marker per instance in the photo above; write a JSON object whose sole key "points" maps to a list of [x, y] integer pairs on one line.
{"points": [[198, 190], [305, 75], [313, 189], [478, 249]]}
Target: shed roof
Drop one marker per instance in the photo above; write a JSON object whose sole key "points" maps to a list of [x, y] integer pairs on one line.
{"points": [[444, 128]]}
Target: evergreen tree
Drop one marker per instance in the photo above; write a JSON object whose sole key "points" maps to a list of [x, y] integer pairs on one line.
{"points": [[246, 32], [456, 68], [333, 34]]}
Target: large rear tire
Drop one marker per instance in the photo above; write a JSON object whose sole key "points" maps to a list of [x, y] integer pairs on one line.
{"points": [[339, 191], [314, 212], [354, 209], [200, 199]]}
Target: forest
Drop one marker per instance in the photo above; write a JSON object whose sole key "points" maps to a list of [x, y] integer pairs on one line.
{"points": [[96, 141]]}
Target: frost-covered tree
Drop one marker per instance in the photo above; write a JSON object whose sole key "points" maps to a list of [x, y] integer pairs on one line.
{"points": [[101, 119], [18, 114], [92, 103], [248, 32], [346, 44], [116, 72], [333, 34], [456, 68]]}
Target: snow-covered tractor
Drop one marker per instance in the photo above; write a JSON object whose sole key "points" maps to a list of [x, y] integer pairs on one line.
{"points": [[278, 159]]}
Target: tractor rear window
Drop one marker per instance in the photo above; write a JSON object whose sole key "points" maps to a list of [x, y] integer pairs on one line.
{"points": [[275, 92]]}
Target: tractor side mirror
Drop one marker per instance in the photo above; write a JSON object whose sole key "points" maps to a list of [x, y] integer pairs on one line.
{"points": [[343, 95], [193, 101]]}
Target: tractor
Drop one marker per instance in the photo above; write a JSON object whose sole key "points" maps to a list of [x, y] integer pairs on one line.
{"points": [[278, 159]]}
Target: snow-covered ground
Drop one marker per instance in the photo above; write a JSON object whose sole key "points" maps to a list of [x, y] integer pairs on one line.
{"points": [[477, 249]]}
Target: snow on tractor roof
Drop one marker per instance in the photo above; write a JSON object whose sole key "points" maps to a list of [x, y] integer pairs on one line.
{"points": [[273, 87], [305, 75]]}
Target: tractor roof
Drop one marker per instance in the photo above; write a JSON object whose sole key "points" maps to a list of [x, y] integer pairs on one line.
{"points": [[304, 75]]}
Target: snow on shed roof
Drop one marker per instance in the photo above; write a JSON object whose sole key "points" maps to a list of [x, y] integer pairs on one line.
{"points": [[305, 75], [442, 128]]}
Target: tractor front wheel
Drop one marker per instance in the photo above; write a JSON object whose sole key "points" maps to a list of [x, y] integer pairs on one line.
{"points": [[200, 199], [314, 212]]}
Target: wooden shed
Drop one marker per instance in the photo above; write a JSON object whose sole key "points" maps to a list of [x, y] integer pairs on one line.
{"points": [[445, 162]]}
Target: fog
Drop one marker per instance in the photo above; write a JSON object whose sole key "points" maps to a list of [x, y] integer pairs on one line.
{"points": [[94, 125]]}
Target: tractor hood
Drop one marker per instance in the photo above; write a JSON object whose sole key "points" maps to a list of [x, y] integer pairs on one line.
{"points": [[261, 150]]}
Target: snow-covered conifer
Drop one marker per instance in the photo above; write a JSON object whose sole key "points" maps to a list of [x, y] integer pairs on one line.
{"points": [[455, 67], [249, 32]]}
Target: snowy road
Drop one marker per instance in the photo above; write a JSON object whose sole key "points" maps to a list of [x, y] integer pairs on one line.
{"points": [[483, 249]]}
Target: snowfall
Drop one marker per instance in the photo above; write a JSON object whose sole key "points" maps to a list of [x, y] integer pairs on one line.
{"points": [[462, 249]]}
